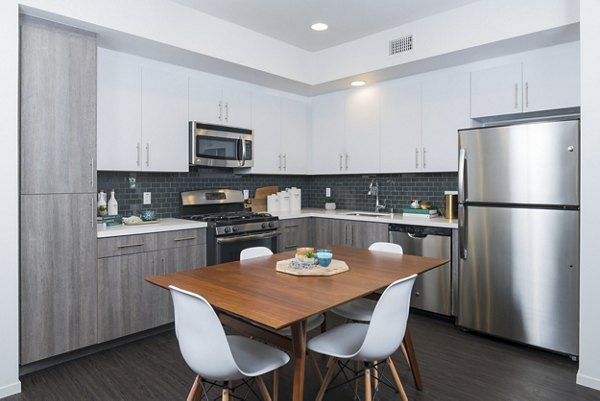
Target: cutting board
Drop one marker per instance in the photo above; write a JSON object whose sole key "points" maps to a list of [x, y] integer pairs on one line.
{"points": [[263, 192]]}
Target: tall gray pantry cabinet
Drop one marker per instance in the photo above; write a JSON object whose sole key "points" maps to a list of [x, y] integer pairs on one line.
{"points": [[58, 189]]}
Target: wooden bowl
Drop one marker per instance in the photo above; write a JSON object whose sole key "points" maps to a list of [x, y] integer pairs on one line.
{"points": [[425, 205]]}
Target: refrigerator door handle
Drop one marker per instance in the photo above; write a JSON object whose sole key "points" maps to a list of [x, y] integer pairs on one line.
{"points": [[462, 231], [462, 158]]}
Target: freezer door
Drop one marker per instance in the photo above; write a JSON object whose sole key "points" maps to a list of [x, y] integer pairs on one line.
{"points": [[534, 163], [520, 279]]}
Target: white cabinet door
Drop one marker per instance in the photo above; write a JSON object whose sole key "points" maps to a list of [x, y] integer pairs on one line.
{"points": [[496, 91], [237, 105], [552, 81], [400, 114], [266, 128], [164, 119], [119, 111], [205, 104], [362, 131], [295, 134], [445, 109], [328, 113]]}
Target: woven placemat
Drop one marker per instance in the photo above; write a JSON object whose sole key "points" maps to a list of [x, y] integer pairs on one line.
{"points": [[335, 267]]}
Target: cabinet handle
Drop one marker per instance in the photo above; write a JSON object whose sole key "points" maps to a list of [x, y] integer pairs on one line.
{"points": [[92, 171], [148, 154], [93, 214], [416, 157], [297, 225], [526, 95], [285, 162], [516, 96], [280, 162], [226, 111], [130, 246], [220, 111], [184, 239], [138, 151], [292, 246], [341, 161], [424, 157], [346, 161]]}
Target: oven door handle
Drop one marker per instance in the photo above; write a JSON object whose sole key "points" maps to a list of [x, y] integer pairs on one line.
{"points": [[225, 240]]}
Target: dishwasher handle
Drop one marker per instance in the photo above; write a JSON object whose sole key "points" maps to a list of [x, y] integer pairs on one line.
{"points": [[417, 236]]}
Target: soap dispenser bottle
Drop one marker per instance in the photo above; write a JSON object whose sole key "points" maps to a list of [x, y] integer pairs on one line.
{"points": [[102, 203], [113, 206]]}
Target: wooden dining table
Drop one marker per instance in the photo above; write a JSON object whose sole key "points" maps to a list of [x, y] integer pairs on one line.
{"points": [[252, 291]]}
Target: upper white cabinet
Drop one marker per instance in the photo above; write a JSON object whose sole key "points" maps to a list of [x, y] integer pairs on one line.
{"points": [[142, 114], [400, 126], [545, 80], [164, 139], [281, 129], [328, 148], [266, 128], [295, 136], [219, 101], [444, 110], [361, 151]]}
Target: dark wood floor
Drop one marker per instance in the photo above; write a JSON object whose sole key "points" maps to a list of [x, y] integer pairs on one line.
{"points": [[454, 365]]}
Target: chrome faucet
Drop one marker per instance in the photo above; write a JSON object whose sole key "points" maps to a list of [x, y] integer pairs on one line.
{"points": [[374, 191]]}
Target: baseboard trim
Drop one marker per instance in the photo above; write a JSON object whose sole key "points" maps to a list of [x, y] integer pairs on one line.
{"points": [[588, 381], [11, 389]]}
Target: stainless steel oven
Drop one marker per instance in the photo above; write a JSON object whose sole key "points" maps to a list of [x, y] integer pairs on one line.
{"points": [[220, 146], [230, 228], [228, 248]]}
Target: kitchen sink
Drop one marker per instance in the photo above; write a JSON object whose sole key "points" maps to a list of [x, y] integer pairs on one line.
{"points": [[368, 214]]}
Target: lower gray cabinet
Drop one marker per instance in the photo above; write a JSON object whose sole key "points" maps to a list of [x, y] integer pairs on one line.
{"points": [[356, 234], [127, 303], [58, 274], [294, 233]]}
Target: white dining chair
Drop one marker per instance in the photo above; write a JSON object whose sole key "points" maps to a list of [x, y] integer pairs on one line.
{"points": [[361, 309], [312, 322], [215, 356], [369, 342]]}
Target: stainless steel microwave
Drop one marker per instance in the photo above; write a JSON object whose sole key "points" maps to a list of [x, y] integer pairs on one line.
{"points": [[220, 146]]}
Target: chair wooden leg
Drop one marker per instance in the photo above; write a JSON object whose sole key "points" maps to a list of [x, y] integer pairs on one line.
{"points": [[412, 357], [276, 385], [403, 349], [316, 364], [195, 391], [367, 384], [356, 367], [225, 394], [397, 379], [327, 379], [263, 389], [375, 376]]}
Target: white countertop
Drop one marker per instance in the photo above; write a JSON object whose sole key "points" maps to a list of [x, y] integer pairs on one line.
{"points": [[396, 218], [168, 224]]}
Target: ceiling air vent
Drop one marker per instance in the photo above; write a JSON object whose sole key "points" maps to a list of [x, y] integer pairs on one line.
{"points": [[401, 45]]}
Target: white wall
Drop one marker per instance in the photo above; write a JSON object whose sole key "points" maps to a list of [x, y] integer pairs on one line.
{"points": [[9, 245], [589, 342], [475, 24]]}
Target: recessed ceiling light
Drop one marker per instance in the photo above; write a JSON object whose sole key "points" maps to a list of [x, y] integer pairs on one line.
{"points": [[319, 26], [358, 83]]}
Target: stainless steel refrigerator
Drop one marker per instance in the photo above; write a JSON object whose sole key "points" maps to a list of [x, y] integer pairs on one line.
{"points": [[519, 233]]}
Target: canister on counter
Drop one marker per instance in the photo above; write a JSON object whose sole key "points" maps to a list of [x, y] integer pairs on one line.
{"points": [[451, 204]]}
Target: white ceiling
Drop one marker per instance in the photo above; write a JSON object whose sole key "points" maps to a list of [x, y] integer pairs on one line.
{"points": [[290, 20]]}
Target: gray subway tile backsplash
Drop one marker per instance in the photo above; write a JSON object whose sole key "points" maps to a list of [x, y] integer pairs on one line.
{"points": [[350, 191]]}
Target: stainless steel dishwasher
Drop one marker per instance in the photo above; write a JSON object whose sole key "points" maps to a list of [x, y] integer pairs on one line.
{"points": [[432, 290]]}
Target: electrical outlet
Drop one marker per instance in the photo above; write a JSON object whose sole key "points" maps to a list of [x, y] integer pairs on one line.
{"points": [[328, 192], [147, 198]]}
